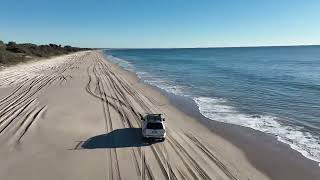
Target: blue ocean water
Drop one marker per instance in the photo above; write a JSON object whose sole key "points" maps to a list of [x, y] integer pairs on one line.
{"points": [[275, 90]]}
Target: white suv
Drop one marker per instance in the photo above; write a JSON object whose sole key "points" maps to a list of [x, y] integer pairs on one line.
{"points": [[153, 127]]}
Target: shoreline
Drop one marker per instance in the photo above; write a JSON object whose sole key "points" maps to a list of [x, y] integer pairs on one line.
{"points": [[281, 161], [78, 118]]}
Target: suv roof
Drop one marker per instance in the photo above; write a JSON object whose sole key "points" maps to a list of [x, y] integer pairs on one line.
{"points": [[153, 117]]}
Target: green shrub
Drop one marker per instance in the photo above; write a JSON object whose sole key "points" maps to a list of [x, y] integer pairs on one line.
{"points": [[2, 45], [13, 52]]}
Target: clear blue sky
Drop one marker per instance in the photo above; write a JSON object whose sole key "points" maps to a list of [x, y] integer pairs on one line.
{"points": [[161, 23]]}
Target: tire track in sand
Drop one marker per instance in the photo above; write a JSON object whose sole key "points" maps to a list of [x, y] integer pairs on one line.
{"points": [[20, 107], [117, 95]]}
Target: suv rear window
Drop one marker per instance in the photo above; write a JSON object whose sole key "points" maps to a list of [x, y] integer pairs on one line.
{"points": [[154, 126], [154, 118]]}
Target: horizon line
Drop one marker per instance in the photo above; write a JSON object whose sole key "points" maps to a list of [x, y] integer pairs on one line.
{"points": [[211, 47], [200, 47]]}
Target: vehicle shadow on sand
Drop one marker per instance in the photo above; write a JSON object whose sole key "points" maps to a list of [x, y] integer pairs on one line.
{"points": [[119, 138]]}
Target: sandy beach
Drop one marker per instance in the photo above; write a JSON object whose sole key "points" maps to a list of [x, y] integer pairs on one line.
{"points": [[56, 116]]}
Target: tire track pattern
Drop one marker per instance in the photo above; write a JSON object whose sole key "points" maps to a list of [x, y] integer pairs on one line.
{"points": [[117, 95], [20, 109], [122, 106]]}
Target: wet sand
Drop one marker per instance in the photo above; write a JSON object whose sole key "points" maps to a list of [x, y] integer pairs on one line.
{"points": [[276, 159]]}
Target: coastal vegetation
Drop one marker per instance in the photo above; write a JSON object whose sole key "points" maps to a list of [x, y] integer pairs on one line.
{"points": [[12, 52]]}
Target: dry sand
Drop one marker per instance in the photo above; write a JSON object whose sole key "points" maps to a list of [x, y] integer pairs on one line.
{"points": [[78, 117]]}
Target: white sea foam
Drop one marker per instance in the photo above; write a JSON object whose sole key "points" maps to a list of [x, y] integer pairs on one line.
{"points": [[124, 64], [165, 85], [218, 109], [303, 142], [147, 77]]}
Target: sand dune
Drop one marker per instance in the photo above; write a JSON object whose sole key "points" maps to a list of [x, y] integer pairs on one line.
{"points": [[78, 117]]}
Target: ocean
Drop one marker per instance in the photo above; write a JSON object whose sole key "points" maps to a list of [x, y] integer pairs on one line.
{"points": [[275, 90]]}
